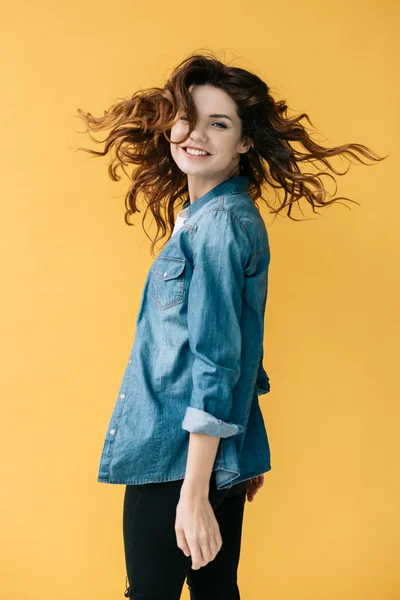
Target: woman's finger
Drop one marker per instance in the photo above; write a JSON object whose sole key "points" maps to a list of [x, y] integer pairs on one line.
{"points": [[196, 553], [181, 541]]}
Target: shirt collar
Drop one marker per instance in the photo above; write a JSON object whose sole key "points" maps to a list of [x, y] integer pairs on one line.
{"points": [[238, 183]]}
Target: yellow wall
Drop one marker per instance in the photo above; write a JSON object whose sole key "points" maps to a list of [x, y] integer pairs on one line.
{"points": [[325, 525]]}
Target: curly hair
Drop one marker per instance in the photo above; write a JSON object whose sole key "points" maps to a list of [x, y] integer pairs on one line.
{"points": [[140, 134]]}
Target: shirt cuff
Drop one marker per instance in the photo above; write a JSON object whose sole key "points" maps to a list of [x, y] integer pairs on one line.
{"points": [[199, 421]]}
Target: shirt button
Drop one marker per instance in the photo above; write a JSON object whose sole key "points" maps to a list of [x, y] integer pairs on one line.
{"points": [[112, 431], [122, 396], [165, 274], [129, 361]]}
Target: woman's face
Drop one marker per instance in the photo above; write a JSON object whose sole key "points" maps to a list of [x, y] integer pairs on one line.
{"points": [[218, 135]]}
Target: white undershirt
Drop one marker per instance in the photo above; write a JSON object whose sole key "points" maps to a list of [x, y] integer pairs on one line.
{"points": [[180, 220]]}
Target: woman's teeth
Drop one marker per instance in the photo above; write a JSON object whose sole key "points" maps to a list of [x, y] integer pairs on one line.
{"points": [[195, 152]]}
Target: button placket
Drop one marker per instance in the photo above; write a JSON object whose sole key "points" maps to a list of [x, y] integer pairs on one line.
{"points": [[114, 431]]}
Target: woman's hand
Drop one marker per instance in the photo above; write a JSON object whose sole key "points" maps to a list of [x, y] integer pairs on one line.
{"points": [[197, 530], [253, 486]]}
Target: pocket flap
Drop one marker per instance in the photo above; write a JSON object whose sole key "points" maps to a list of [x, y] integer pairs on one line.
{"points": [[168, 267]]}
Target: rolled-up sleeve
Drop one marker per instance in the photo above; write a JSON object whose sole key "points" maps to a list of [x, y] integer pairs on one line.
{"points": [[221, 251]]}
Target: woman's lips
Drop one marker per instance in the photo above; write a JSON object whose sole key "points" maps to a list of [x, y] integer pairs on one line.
{"points": [[194, 155]]}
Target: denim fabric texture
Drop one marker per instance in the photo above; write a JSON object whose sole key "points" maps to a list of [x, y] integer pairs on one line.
{"points": [[196, 364]]}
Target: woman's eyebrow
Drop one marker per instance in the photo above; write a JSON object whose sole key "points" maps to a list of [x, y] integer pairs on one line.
{"points": [[221, 117]]}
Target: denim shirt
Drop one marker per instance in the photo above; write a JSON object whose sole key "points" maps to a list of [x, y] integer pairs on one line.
{"points": [[196, 364]]}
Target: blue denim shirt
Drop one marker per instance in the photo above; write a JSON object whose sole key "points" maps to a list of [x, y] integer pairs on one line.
{"points": [[196, 364]]}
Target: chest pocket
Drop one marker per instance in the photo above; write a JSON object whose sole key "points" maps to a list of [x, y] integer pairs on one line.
{"points": [[168, 281]]}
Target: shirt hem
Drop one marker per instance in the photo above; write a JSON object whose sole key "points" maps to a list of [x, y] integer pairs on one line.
{"points": [[179, 477]]}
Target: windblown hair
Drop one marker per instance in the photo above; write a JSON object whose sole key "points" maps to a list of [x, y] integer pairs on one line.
{"points": [[141, 126]]}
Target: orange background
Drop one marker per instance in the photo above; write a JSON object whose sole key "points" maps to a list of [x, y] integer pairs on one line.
{"points": [[325, 525]]}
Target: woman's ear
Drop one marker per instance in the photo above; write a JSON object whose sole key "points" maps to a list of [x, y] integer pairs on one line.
{"points": [[246, 145], [251, 145]]}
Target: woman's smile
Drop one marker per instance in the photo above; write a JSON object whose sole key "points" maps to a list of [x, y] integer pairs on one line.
{"points": [[194, 153]]}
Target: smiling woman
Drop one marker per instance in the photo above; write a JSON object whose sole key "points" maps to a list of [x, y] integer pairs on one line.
{"points": [[214, 148], [241, 102], [187, 435]]}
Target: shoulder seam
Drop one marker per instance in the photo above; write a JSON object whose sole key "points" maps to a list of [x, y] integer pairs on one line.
{"points": [[221, 208]]}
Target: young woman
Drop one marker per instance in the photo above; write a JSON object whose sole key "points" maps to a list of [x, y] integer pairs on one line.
{"points": [[187, 436]]}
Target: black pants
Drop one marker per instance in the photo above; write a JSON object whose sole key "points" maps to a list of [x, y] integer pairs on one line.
{"points": [[156, 567]]}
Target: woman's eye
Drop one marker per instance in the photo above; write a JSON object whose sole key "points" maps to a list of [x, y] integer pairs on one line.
{"points": [[223, 126]]}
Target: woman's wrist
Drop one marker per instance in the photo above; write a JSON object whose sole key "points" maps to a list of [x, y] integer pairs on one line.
{"points": [[195, 488]]}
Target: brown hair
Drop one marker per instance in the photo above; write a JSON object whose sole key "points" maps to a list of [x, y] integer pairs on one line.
{"points": [[140, 134]]}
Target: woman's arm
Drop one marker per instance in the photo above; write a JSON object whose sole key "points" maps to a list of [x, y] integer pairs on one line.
{"points": [[201, 456], [196, 526]]}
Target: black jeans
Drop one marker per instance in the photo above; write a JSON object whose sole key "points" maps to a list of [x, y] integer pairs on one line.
{"points": [[156, 567]]}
